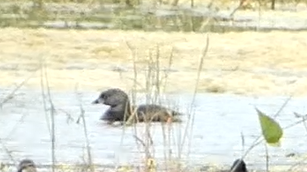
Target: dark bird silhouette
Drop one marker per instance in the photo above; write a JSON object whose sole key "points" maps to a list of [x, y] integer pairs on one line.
{"points": [[121, 109], [26, 165], [238, 166]]}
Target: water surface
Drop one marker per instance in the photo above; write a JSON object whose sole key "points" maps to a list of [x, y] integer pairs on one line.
{"points": [[216, 138]]}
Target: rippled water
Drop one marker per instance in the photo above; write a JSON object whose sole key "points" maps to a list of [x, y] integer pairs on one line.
{"points": [[216, 138]]}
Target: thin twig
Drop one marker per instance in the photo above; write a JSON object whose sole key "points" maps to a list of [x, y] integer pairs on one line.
{"points": [[82, 116], [52, 110]]}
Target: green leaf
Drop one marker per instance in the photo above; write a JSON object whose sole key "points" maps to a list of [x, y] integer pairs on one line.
{"points": [[271, 130]]}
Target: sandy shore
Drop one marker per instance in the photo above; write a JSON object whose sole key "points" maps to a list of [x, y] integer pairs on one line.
{"points": [[249, 63]]}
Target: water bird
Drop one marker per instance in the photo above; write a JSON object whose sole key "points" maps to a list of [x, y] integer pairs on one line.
{"points": [[238, 166], [121, 109], [26, 165]]}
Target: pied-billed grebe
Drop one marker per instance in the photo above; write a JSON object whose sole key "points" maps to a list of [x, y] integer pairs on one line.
{"points": [[26, 165], [121, 109], [238, 166]]}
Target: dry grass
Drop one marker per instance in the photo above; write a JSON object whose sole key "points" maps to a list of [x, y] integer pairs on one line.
{"points": [[233, 64], [217, 3]]}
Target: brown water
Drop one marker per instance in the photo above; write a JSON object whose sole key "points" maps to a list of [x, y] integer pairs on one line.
{"points": [[247, 63], [216, 138]]}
